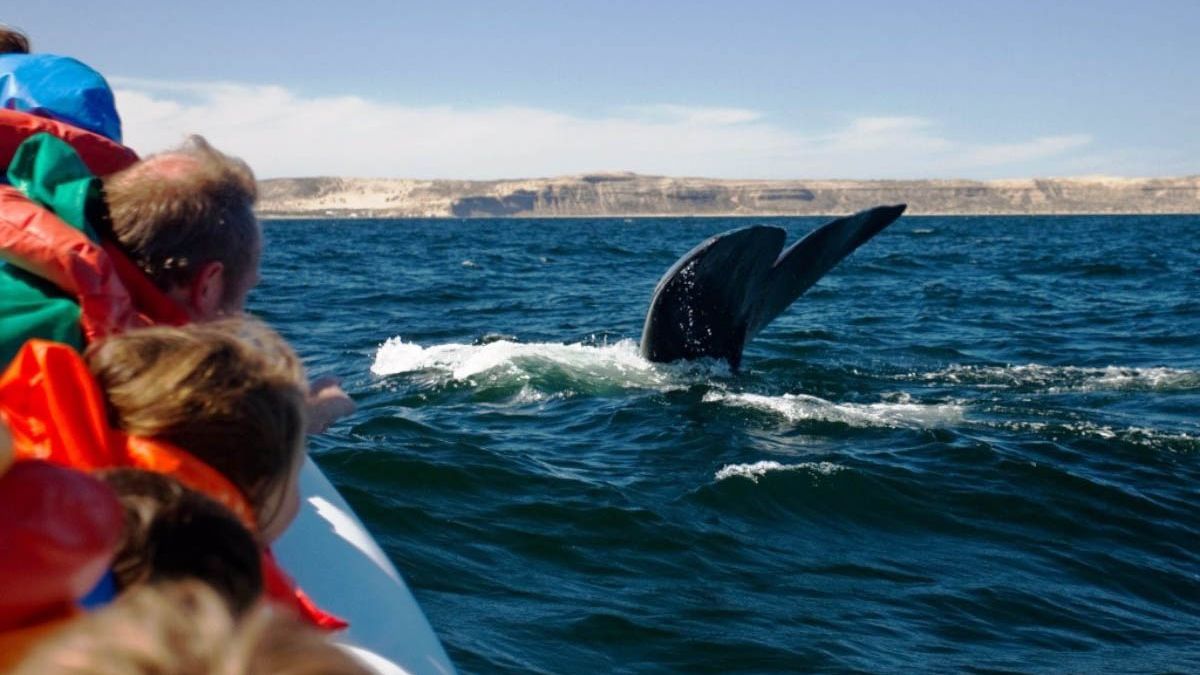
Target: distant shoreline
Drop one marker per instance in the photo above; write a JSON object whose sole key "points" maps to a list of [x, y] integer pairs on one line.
{"points": [[635, 196], [710, 216]]}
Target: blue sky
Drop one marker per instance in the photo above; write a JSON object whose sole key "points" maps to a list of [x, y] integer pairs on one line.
{"points": [[747, 89]]}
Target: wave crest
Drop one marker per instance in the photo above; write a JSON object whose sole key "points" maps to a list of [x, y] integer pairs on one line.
{"points": [[757, 470], [1067, 378], [802, 407]]}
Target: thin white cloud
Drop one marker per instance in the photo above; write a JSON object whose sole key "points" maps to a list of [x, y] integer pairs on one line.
{"points": [[1038, 148], [282, 133]]}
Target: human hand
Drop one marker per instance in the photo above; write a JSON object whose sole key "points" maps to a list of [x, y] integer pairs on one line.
{"points": [[327, 403]]}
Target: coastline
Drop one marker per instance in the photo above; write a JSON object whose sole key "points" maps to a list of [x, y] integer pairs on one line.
{"points": [[637, 196], [712, 216]]}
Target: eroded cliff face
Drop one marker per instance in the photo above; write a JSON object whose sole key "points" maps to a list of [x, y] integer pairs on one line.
{"points": [[624, 194]]}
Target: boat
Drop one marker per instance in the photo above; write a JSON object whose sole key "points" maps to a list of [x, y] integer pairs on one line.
{"points": [[341, 567]]}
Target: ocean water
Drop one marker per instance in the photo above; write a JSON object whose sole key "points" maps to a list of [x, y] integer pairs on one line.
{"points": [[974, 446]]}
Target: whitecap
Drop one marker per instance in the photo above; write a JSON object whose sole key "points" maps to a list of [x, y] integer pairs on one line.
{"points": [[1056, 379], [802, 407], [1146, 437], [759, 469]]}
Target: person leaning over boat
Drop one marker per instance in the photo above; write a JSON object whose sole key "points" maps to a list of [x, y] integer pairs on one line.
{"points": [[165, 240]]}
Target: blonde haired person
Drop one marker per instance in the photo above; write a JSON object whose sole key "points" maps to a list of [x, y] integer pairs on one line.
{"points": [[229, 392], [186, 628]]}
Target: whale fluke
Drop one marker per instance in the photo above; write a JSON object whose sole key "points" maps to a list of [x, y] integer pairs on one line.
{"points": [[718, 296]]}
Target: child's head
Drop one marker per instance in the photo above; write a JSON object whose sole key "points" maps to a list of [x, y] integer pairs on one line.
{"points": [[173, 533], [186, 629], [230, 392]]}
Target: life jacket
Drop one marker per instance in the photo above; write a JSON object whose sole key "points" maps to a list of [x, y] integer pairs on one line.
{"points": [[61, 88], [58, 535], [101, 155], [56, 412], [63, 282]]}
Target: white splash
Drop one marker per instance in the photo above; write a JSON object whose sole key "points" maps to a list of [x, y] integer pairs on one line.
{"points": [[759, 469], [619, 364], [802, 407]]}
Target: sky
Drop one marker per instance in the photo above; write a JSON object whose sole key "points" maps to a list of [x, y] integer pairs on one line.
{"points": [[748, 89]]}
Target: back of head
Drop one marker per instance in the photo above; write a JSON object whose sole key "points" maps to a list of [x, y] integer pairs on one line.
{"points": [[13, 41], [230, 392], [176, 211], [186, 629], [172, 533]]}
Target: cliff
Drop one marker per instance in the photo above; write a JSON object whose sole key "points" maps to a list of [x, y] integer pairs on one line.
{"points": [[625, 194]]}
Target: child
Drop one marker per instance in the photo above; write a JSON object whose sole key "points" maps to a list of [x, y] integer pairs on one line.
{"points": [[218, 406], [172, 533], [231, 393]]}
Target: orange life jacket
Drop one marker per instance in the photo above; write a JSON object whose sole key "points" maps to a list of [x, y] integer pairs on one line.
{"points": [[55, 411]]}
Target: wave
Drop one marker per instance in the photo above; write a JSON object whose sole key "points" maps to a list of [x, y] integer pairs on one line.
{"points": [[1056, 379], [1154, 439], [802, 407], [616, 365], [759, 469]]}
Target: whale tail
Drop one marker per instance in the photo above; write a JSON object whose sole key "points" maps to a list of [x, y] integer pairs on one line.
{"points": [[719, 295]]}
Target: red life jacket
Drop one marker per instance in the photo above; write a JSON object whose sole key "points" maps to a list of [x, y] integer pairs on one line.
{"points": [[100, 154], [56, 412]]}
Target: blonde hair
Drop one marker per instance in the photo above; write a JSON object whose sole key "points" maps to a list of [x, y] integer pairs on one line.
{"points": [[186, 629], [231, 392], [176, 211]]}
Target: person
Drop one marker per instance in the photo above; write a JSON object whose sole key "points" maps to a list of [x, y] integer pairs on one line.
{"points": [[59, 96], [218, 406], [186, 219], [185, 628], [229, 392], [172, 533], [163, 241]]}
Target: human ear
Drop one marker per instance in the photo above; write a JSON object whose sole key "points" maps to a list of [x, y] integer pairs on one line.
{"points": [[206, 291]]}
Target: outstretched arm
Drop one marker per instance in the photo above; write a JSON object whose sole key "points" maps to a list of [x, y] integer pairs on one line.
{"points": [[327, 403]]}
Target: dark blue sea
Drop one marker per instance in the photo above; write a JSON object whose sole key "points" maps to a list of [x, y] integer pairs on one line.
{"points": [[973, 447]]}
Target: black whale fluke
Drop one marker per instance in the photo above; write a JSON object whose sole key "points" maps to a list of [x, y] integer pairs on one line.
{"points": [[718, 296]]}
